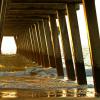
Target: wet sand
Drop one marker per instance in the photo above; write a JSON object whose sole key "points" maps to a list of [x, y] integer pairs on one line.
{"points": [[20, 79]]}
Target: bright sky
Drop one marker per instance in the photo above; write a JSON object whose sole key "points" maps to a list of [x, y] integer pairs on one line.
{"points": [[8, 45], [82, 25]]}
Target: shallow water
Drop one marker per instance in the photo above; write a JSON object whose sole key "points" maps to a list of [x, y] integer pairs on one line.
{"points": [[41, 82], [8, 93]]}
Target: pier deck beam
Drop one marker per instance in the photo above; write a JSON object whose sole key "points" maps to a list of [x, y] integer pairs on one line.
{"points": [[94, 40], [78, 56]]}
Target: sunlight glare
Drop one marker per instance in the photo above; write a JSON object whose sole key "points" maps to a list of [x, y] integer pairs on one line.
{"points": [[8, 45]]}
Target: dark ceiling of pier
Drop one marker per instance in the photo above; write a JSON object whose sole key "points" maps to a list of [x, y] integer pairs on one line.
{"points": [[19, 14]]}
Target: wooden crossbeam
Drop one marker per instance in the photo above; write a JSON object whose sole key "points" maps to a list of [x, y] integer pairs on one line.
{"points": [[26, 17], [46, 1], [30, 12], [30, 6]]}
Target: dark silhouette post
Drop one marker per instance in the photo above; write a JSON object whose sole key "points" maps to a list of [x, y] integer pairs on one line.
{"points": [[56, 45], [66, 45], [77, 48], [49, 43], [94, 40]]}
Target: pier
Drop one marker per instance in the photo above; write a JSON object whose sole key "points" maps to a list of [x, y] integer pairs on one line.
{"points": [[33, 24]]}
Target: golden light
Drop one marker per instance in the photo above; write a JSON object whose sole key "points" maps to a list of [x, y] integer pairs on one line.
{"points": [[9, 94], [8, 45]]}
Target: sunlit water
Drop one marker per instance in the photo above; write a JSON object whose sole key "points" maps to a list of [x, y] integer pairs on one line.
{"points": [[24, 85]]}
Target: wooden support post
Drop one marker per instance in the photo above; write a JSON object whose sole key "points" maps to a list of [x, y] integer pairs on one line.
{"points": [[56, 45], [32, 43], [94, 40], [24, 45], [39, 44], [35, 43], [29, 51], [3, 6], [49, 43], [44, 47], [66, 45], [18, 39], [27, 45], [78, 56]]}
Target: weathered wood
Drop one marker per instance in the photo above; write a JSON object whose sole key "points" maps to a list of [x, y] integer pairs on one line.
{"points": [[54, 31], [66, 45], [46, 1], [2, 13], [32, 42], [29, 6], [49, 43], [44, 47], [39, 44], [77, 48], [35, 42], [94, 40], [30, 12]]}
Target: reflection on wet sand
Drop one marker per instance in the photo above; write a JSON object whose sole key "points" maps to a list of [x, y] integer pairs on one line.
{"points": [[8, 94], [19, 79], [50, 93]]}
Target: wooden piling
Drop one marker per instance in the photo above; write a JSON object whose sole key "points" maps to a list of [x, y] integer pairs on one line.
{"points": [[66, 45], [44, 47], [56, 45], [94, 40], [77, 48], [49, 43]]}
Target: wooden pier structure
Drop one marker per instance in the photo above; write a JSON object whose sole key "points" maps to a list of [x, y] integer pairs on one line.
{"points": [[33, 25]]}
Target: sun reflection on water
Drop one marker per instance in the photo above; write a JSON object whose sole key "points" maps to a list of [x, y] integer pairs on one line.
{"points": [[9, 94]]}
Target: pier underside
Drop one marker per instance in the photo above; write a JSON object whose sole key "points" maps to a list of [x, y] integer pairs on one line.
{"points": [[49, 61]]}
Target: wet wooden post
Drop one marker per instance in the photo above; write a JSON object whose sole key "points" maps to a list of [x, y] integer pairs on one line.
{"points": [[94, 40], [0, 25], [39, 44], [35, 42], [66, 45], [18, 46], [21, 43], [3, 7], [56, 45], [0, 42], [30, 55], [44, 47], [27, 45], [78, 56], [32, 42], [49, 43], [16, 39], [24, 45]]}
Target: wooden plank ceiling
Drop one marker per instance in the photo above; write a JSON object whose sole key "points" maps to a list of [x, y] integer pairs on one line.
{"points": [[21, 13]]}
